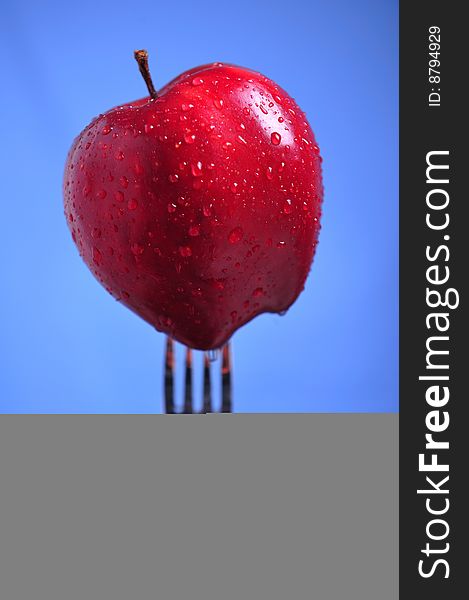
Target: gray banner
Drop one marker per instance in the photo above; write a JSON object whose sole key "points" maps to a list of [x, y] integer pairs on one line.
{"points": [[217, 507]]}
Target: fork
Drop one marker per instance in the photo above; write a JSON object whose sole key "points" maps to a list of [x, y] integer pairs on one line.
{"points": [[207, 402]]}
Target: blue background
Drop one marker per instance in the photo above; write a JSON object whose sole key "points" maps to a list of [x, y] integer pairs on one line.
{"points": [[66, 345]]}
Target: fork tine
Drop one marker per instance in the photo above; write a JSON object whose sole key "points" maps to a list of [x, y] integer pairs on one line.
{"points": [[169, 377], [207, 403], [188, 408], [226, 379]]}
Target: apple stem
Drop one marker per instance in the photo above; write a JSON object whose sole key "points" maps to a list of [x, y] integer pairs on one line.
{"points": [[141, 56]]}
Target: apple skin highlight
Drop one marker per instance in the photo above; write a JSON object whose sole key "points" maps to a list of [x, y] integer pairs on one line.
{"points": [[198, 208]]}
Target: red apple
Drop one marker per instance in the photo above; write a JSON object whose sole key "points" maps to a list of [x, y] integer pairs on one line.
{"points": [[198, 206]]}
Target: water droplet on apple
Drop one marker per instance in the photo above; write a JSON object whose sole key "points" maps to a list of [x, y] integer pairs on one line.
{"points": [[119, 196], [287, 208], [97, 256], [196, 169], [132, 204], [197, 81], [101, 194], [194, 230], [269, 173], [119, 155], [189, 138], [212, 355], [171, 207], [263, 109], [236, 235], [275, 138], [218, 103], [186, 106], [173, 178], [106, 130], [258, 292], [185, 251], [124, 181], [137, 249]]}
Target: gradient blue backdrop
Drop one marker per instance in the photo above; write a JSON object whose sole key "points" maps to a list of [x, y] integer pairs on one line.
{"points": [[66, 345]]}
